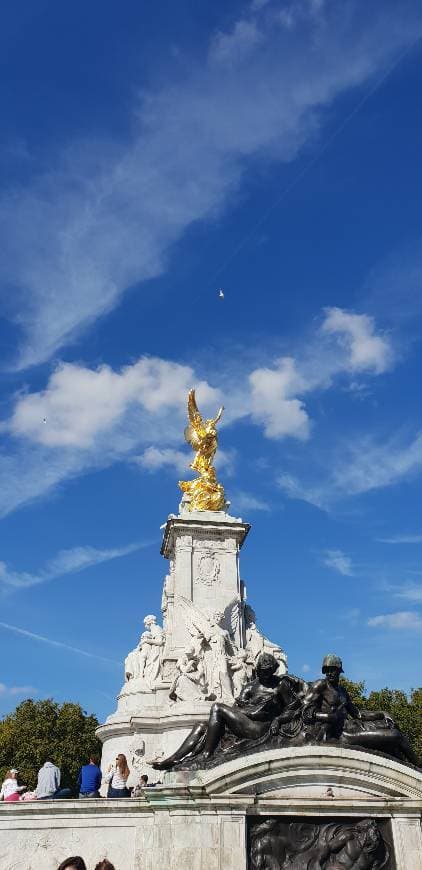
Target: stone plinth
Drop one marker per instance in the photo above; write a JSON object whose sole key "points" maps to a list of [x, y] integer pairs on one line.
{"points": [[203, 552], [200, 821]]}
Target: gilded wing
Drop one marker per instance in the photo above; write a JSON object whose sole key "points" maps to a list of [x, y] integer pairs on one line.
{"points": [[196, 620], [192, 432], [195, 418]]}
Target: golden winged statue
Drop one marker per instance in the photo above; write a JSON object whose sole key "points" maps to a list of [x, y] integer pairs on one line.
{"points": [[205, 493]]}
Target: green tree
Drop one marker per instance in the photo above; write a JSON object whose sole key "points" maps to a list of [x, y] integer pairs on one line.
{"points": [[405, 710], [38, 731]]}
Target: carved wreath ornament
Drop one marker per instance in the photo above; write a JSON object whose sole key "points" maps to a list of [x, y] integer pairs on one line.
{"points": [[208, 569]]}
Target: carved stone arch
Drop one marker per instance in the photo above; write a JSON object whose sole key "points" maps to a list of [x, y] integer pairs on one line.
{"points": [[308, 772]]}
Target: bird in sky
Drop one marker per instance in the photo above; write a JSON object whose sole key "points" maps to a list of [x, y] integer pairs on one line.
{"points": [[221, 293]]}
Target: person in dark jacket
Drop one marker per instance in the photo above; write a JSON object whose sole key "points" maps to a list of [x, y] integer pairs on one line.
{"points": [[89, 780]]}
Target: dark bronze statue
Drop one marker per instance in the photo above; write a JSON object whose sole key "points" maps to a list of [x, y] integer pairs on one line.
{"points": [[264, 707], [329, 714], [281, 845], [274, 711]]}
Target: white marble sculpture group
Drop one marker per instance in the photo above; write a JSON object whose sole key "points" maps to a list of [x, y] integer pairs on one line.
{"points": [[211, 666]]}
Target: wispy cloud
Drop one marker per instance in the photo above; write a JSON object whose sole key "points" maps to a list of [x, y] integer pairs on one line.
{"points": [[56, 643], [338, 561], [12, 691], [294, 489], [246, 501], [66, 562], [359, 466], [106, 214], [155, 458], [410, 592], [402, 539], [404, 620]]}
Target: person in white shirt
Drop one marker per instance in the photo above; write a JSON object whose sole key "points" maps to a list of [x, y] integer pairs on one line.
{"points": [[10, 790], [117, 777]]}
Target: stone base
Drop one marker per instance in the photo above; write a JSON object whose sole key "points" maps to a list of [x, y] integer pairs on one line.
{"points": [[199, 821], [157, 731]]}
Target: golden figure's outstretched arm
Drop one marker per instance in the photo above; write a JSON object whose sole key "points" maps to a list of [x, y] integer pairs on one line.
{"points": [[219, 415]]}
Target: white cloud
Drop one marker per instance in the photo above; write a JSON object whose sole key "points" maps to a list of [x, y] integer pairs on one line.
{"points": [[90, 418], [401, 621], [79, 403], [17, 690], [306, 668], [356, 332], [66, 562], [104, 215], [22, 632], [338, 561], [273, 401]]}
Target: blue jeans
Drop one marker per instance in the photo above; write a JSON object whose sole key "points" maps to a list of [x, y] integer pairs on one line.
{"points": [[89, 794], [118, 792]]}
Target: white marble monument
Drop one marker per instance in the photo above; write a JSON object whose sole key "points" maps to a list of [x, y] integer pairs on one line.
{"points": [[205, 649]]}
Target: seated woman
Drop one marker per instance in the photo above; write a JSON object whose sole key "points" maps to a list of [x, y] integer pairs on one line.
{"points": [[10, 790], [117, 777], [263, 706]]}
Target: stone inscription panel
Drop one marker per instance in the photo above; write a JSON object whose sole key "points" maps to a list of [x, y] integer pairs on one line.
{"points": [[315, 844]]}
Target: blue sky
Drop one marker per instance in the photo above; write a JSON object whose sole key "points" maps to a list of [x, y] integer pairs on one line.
{"points": [[149, 156]]}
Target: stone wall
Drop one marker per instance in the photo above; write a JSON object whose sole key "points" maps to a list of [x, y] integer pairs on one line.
{"points": [[199, 821]]}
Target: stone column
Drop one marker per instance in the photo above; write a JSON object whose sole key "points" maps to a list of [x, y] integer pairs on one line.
{"points": [[203, 550], [407, 834]]}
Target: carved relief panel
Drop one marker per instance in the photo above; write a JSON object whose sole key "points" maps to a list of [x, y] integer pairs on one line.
{"points": [[308, 843], [207, 569]]}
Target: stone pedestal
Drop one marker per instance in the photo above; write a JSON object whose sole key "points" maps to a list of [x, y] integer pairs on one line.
{"points": [[203, 552], [200, 821]]}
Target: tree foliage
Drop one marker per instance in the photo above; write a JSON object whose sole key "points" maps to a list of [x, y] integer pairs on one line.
{"points": [[405, 710], [38, 731]]}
